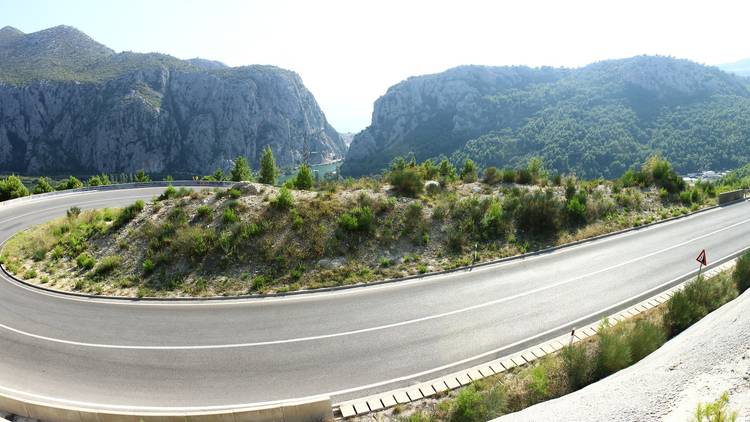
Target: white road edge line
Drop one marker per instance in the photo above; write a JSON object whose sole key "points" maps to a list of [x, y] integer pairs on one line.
{"points": [[364, 330], [353, 389]]}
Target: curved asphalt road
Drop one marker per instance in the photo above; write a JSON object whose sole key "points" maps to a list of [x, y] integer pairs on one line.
{"points": [[159, 356]]}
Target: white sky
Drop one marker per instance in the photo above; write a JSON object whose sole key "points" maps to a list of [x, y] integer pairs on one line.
{"points": [[349, 52]]}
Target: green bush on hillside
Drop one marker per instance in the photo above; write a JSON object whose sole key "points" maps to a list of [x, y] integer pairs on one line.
{"points": [[43, 185], [283, 200], [358, 219], [741, 275], [696, 300], [578, 366], [11, 187], [614, 351], [645, 337]]}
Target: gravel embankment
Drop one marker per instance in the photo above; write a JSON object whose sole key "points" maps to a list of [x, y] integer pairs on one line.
{"points": [[709, 358]]}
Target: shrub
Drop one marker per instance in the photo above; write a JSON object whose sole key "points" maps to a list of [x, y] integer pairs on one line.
{"points": [[358, 219], [447, 171], [30, 274], [85, 261], [407, 181], [201, 242], [576, 209], [260, 282], [645, 337], [43, 185], [538, 383], [107, 264], [234, 193], [741, 275], [169, 193], [99, 180], [284, 199], [469, 171], [205, 212], [699, 297], [614, 350], [38, 254], [229, 216], [241, 170], [717, 411], [304, 178], [142, 177], [70, 183], [492, 176], [12, 187], [472, 405], [577, 365], [148, 266], [524, 177], [538, 213], [73, 212], [494, 223], [509, 176], [129, 213]]}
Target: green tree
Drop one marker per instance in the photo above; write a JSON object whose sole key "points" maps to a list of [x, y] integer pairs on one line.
{"points": [[71, 182], [241, 171], [304, 179], [142, 177], [268, 170], [43, 185], [469, 171], [12, 187], [447, 171], [99, 180]]}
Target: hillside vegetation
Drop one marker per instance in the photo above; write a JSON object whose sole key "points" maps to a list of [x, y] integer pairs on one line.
{"points": [[257, 238], [598, 120]]}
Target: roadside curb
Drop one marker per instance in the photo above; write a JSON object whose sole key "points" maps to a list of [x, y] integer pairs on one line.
{"points": [[322, 289], [313, 409], [436, 386]]}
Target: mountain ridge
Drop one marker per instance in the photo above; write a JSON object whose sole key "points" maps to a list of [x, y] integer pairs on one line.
{"points": [[597, 120], [71, 104]]}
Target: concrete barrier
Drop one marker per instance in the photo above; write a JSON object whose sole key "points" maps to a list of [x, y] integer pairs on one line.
{"points": [[315, 409], [731, 196]]}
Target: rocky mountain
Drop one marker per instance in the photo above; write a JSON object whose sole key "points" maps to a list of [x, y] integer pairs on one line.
{"points": [[597, 120], [70, 104]]}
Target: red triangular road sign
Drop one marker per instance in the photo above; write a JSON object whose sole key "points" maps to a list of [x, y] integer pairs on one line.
{"points": [[702, 258]]}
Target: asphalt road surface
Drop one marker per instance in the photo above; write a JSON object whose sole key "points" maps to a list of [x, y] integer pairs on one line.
{"points": [[160, 356]]}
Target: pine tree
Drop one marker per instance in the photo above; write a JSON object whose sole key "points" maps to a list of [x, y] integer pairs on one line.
{"points": [[241, 171], [268, 170], [304, 179]]}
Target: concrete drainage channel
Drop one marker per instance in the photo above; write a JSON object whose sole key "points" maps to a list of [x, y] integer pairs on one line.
{"points": [[427, 389]]}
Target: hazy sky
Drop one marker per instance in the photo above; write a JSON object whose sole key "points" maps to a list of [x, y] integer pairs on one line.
{"points": [[349, 52]]}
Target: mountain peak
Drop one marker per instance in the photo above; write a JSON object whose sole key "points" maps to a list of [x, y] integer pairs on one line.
{"points": [[8, 34]]}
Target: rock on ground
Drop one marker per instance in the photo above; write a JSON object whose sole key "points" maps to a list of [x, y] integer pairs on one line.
{"points": [[711, 357]]}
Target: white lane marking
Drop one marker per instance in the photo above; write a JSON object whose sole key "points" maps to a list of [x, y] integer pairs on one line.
{"points": [[363, 387], [370, 329], [364, 289]]}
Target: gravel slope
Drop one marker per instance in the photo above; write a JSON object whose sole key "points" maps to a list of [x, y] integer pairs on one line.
{"points": [[711, 357]]}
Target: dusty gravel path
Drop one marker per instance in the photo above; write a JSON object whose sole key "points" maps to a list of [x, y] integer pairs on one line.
{"points": [[711, 357]]}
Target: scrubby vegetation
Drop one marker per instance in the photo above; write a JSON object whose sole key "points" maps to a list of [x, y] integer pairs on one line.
{"points": [[577, 365], [419, 217]]}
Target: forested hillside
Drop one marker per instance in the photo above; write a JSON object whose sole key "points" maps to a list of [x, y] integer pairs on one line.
{"points": [[598, 120]]}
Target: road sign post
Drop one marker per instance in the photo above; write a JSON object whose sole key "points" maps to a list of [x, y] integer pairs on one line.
{"points": [[702, 260]]}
